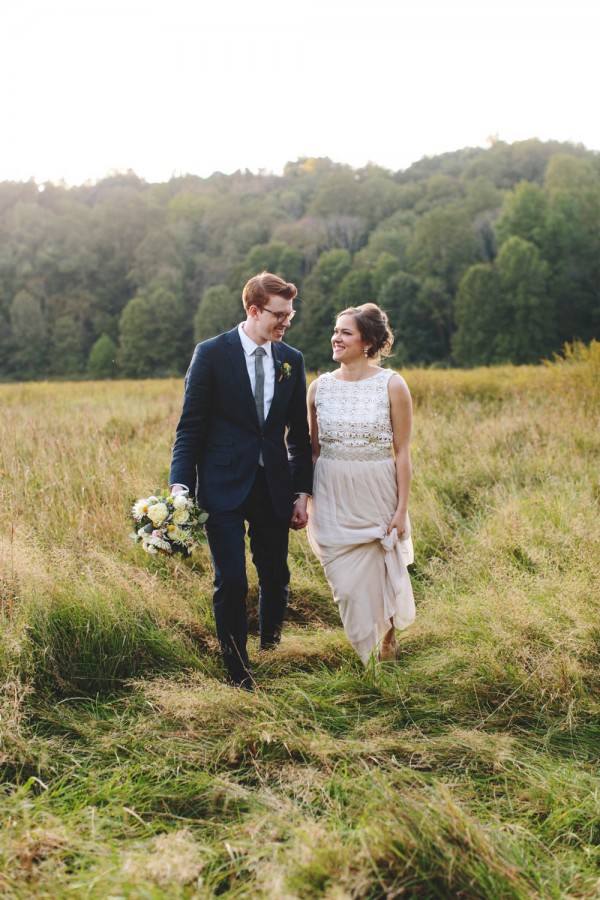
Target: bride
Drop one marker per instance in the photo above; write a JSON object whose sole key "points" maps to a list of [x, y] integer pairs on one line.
{"points": [[360, 422]]}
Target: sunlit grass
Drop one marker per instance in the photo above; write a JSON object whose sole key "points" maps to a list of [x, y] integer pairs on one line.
{"points": [[466, 768]]}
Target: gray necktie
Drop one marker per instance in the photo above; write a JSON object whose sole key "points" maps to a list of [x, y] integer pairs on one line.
{"points": [[259, 384]]}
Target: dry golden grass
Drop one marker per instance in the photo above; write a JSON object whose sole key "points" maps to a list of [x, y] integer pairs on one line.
{"points": [[468, 768]]}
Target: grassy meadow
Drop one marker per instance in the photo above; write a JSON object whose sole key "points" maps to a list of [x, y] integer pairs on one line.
{"points": [[467, 768]]}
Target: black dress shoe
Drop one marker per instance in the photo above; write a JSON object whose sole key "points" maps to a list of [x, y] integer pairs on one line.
{"points": [[238, 671], [270, 645], [245, 684], [241, 677]]}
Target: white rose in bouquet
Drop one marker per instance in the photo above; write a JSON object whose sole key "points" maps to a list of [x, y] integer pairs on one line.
{"points": [[180, 516], [157, 513]]}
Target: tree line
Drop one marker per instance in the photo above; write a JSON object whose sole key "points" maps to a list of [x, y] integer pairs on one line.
{"points": [[479, 256]]}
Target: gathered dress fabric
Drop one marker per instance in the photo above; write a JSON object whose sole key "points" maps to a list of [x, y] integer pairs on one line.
{"points": [[354, 498]]}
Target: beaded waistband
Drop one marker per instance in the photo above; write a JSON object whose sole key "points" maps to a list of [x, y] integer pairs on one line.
{"points": [[368, 453]]}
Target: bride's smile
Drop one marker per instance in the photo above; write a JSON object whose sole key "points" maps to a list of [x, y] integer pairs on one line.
{"points": [[347, 340]]}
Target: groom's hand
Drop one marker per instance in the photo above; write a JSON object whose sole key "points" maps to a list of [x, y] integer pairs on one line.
{"points": [[300, 516]]}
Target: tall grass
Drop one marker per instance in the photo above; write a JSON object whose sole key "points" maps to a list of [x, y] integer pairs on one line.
{"points": [[466, 768]]}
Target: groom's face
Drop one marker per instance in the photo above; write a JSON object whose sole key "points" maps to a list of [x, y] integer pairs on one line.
{"points": [[273, 319]]}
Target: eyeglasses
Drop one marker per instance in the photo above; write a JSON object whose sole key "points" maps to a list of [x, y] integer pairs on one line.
{"points": [[280, 316]]}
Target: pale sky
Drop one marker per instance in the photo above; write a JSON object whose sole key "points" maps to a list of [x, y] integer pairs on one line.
{"points": [[169, 87]]}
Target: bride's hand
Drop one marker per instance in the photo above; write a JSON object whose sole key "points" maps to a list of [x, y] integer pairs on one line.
{"points": [[300, 515], [399, 522]]}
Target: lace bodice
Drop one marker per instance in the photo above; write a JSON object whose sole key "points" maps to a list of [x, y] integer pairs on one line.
{"points": [[354, 417]]}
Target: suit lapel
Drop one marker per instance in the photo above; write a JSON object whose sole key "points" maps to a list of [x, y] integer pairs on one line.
{"points": [[237, 362], [276, 350], [278, 388]]}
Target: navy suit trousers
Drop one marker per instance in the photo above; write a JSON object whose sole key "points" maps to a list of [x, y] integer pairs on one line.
{"points": [[269, 537]]}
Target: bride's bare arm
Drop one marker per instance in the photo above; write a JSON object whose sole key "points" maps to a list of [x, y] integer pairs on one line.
{"points": [[312, 420], [401, 416]]}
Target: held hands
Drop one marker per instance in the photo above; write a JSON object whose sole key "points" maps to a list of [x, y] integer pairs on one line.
{"points": [[300, 516]]}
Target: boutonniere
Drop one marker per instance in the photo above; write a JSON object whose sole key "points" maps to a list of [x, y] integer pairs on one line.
{"points": [[284, 372]]}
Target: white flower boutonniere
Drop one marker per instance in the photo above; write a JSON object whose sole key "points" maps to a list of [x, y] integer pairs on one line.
{"points": [[284, 372]]}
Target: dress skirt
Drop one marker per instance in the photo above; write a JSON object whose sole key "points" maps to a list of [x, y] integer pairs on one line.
{"points": [[352, 505]]}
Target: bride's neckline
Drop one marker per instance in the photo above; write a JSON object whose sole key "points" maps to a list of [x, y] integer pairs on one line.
{"points": [[355, 380]]}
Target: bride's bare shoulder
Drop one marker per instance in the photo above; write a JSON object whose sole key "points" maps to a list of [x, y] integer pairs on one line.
{"points": [[397, 386]]}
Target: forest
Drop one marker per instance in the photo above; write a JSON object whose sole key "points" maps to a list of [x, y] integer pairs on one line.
{"points": [[479, 256]]}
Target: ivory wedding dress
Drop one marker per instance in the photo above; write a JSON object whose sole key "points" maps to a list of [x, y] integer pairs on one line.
{"points": [[354, 498]]}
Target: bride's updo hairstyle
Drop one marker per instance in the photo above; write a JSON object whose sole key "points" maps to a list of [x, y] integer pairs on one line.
{"points": [[374, 327]]}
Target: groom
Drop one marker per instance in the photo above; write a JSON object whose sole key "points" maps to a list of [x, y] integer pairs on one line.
{"points": [[243, 448]]}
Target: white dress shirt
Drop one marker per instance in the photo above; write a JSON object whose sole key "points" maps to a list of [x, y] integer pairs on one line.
{"points": [[249, 347]]}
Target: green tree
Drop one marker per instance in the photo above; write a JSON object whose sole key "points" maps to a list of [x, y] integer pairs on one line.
{"points": [[523, 280], [356, 287], [437, 304], [337, 193], [345, 232], [220, 310], [440, 190], [482, 195], [306, 236], [524, 215], [385, 266], [29, 357], [155, 257], [391, 236], [154, 334], [102, 361], [273, 257], [572, 187], [66, 354], [481, 318], [507, 164], [417, 340], [504, 313], [443, 246], [320, 302], [5, 346], [379, 196], [236, 223]]}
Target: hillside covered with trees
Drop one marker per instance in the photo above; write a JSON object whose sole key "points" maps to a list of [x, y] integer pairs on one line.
{"points": [[480, 256]]}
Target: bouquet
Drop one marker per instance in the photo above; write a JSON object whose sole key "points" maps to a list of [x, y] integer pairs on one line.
{"points": [[168, 523]]}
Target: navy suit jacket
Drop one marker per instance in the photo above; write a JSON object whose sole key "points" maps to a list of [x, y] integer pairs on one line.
{"points": [[219, 437]]}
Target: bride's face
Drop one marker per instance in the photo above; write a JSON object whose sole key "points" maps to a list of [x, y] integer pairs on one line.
{"points": [[346, 340]]}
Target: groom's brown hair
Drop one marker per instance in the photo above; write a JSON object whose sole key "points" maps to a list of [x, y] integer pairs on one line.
{"points": [[258, 290]]}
